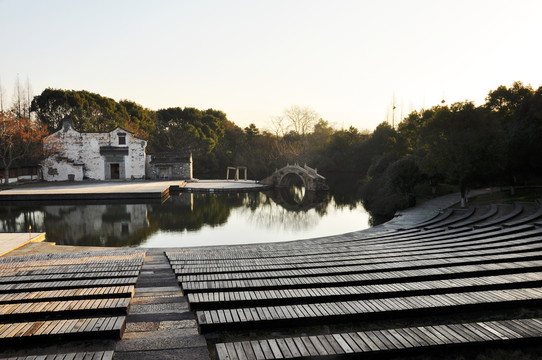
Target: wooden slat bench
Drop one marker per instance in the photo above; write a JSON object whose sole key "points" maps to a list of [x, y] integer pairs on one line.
{"points": [[365, 278], [288, 315], [84, 328], [476, 242], [83, 355], [65, 308], [66, 276], [68, 294], [386, 341], [69, 284], [65, 269], [216, 300], [518, 209], [492, 211]]}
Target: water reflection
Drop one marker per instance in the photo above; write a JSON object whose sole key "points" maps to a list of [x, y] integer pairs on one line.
{"points": [[192, 219], [274, 208]]}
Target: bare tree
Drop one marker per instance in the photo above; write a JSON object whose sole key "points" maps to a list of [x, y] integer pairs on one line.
{"points": [[17, 107], [279, 127], [299, 119], [22, 99], [28, 99]]}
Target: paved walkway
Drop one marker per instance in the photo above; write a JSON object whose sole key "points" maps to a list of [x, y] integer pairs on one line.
{"points": [[13, 241], [159, 324], [429, 209], [91, 190], [223, 185]]}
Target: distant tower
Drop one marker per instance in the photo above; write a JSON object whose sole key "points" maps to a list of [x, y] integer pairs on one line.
{"points": [[393, 107]]}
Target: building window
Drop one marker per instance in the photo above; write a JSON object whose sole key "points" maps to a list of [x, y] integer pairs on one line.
{"points": [[122, 139]]}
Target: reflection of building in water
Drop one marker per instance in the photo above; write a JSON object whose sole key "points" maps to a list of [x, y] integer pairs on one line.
{"points": [[99, 225]]}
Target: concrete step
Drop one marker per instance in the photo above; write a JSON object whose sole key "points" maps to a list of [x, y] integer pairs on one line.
{"points": [[159, 324]]}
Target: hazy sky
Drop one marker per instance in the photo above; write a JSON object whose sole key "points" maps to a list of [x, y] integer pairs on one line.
{"points": [[252, 59]]}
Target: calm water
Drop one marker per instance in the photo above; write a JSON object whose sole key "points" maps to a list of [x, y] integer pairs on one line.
{"points": [[193, 219]]}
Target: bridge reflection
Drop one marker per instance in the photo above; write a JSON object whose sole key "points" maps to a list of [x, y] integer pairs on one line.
{"points": [[296, 198]]}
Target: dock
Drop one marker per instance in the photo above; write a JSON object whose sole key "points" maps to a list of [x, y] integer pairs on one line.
{"points": [[122, 191], [218, 186], [13, 241], [136, 190]]}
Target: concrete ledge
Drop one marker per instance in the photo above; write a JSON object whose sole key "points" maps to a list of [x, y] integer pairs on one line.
{"points": [[13, 241], [220, 186]]}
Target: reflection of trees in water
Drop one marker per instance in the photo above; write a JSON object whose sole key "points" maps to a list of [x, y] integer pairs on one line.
{"points": [[17, 219], [192, 211], [345, 189]]}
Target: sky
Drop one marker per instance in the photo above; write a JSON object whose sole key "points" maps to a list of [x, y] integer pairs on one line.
{"points": [[347, 60]]}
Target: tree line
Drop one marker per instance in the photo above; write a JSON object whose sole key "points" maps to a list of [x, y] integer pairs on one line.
{"points": [[461, 144], [468, 146]]}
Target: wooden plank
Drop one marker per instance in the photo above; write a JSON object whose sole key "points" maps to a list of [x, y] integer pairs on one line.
{"points": [[303, 351], [266, 349], [232, 353], [240, 351], [292, 347], [393, 338], [407, 338], [281, 343], [248, 350], [309, 346], [389, 344], [351, 343], [359, 342], [343, 343], [320, 348], [258, 352], [275, 348], [367, 341], [499, 334], [376, 340]]}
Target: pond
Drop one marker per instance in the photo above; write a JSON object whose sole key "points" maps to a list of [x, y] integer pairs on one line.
{"points": [[193, 219]]}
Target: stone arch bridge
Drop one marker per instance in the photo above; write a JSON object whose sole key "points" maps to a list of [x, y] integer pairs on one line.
{"points": [[289, 174]]}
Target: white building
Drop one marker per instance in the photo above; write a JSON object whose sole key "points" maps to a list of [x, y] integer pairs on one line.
{"points": [[94, 155]]}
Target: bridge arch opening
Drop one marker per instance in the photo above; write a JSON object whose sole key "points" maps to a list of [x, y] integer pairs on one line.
{"points": [[295, 187]]}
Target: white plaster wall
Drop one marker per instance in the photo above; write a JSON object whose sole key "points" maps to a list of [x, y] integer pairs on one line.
{"points": [[135, 161], [84, 148], [60, 170]]}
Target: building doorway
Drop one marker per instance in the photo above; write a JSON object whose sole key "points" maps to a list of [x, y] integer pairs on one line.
{"points": [[115, 171]]}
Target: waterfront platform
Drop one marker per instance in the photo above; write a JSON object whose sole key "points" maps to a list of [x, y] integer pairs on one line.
{"points": [[122, 191], [140, 190], [212, 186], [13, 241]]}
